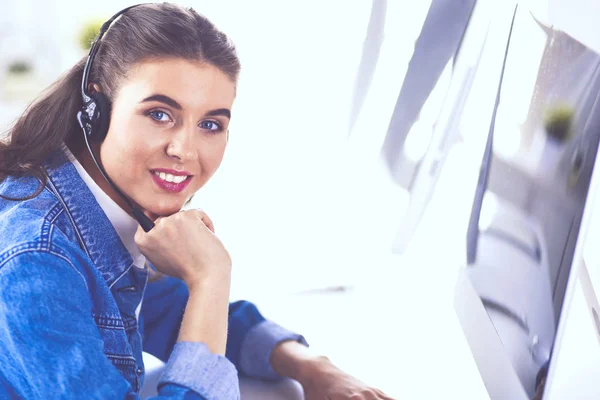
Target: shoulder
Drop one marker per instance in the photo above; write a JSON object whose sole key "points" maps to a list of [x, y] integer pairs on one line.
{"points": [[28, 231], [25, 221]]}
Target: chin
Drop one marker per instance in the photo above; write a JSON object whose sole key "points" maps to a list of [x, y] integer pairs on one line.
{"points": [[163, 210]]}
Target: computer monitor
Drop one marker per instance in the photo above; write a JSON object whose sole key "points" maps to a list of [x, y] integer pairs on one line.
{"points": [[529, 202], [421, 127]]}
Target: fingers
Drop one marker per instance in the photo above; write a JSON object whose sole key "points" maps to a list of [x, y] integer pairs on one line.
{"points": [[371, 395], [382, 395], [208, 222], [140, 233], [199, 213], [365, 395], [206, 219], [368, 394]]}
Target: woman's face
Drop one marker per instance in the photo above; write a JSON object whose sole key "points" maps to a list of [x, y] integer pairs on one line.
{"points": [[168, 132]]}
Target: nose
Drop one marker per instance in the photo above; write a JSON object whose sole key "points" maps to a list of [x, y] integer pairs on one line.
{"points": [[181, 145]]}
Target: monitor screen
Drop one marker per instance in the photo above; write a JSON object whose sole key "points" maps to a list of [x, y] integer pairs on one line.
{"points": [[536, 167]]}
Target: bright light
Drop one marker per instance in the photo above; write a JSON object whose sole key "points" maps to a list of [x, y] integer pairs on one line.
{"points": [[522, 67], [489, 209], [507, 140], [417, 141], [419, 136]]}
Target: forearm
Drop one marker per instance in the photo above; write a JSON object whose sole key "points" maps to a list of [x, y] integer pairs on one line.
{"points": [[197, 360], [206, 314]]}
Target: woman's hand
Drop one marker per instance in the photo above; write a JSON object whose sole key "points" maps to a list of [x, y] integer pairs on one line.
{"points": [[324, 381], [183, 245], [320, 379]]}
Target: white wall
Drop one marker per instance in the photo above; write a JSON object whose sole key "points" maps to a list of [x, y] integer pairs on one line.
{"points": [[578, 18], [289, 202]]}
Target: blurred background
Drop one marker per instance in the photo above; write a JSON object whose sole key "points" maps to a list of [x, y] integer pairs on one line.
{"points": [[354, 159]]}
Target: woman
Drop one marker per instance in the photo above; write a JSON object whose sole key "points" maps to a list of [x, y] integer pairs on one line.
{"points": [[75, 313]]}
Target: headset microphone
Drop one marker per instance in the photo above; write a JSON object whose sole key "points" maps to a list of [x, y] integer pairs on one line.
{"points": [[94, 119]]}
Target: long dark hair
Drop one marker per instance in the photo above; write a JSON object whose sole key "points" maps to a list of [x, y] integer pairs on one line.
{"points": [[151, 31]]}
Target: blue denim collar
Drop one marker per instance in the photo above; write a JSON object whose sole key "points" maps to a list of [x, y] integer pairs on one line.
{"points": [[96, 234]]}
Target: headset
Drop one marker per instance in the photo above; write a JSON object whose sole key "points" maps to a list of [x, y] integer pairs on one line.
{"points": [[94, 119]]}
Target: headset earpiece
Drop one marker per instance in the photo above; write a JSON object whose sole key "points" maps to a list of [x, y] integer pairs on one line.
{"points": [[94, 116], [99, 117]]}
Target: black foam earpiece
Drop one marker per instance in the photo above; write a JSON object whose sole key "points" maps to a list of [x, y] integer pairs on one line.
{"points": [[100, 118]]}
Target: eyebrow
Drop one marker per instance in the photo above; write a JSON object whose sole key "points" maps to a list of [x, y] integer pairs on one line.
{"points": [[163, 99], [225, 112], [219, 112]]}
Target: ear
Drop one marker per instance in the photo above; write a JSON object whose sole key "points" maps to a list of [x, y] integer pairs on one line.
{"points": [[94, 88]]}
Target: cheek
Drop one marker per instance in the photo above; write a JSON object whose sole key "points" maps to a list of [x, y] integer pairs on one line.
{"points": [[124, 152], [211, 158]]}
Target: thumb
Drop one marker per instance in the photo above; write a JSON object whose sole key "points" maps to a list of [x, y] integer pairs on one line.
{"points": [[139, 235]]}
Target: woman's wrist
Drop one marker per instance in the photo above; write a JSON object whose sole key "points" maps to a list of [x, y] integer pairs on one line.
{"points": [[313, 367], [294, 360], [215, 283], [206, 314]]}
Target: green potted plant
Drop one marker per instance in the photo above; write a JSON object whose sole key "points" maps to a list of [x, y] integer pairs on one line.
{"points": [[558, 125], [19, 83], [88, 33], [19, 68]]}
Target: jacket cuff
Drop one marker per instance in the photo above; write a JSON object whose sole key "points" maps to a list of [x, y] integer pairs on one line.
{"points": [[257, 346], [192, 365]]}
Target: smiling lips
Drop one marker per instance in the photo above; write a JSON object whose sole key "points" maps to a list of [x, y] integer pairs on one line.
{"points": [[170, 180]]}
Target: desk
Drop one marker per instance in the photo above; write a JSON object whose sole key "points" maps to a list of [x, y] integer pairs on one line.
{"points": [[400, 335]]}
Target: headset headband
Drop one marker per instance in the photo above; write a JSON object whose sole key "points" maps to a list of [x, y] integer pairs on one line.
{"points": [[94, 50]]}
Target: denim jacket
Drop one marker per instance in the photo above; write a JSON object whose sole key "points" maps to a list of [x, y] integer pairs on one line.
{"points": [[68, 296]]}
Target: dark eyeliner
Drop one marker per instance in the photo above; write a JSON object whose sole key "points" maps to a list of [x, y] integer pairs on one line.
{"points": [[211, 131], [149, 114]]}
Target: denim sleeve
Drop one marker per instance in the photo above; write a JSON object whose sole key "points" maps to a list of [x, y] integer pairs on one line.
{"points": [[251, 338], [52, 347]]}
